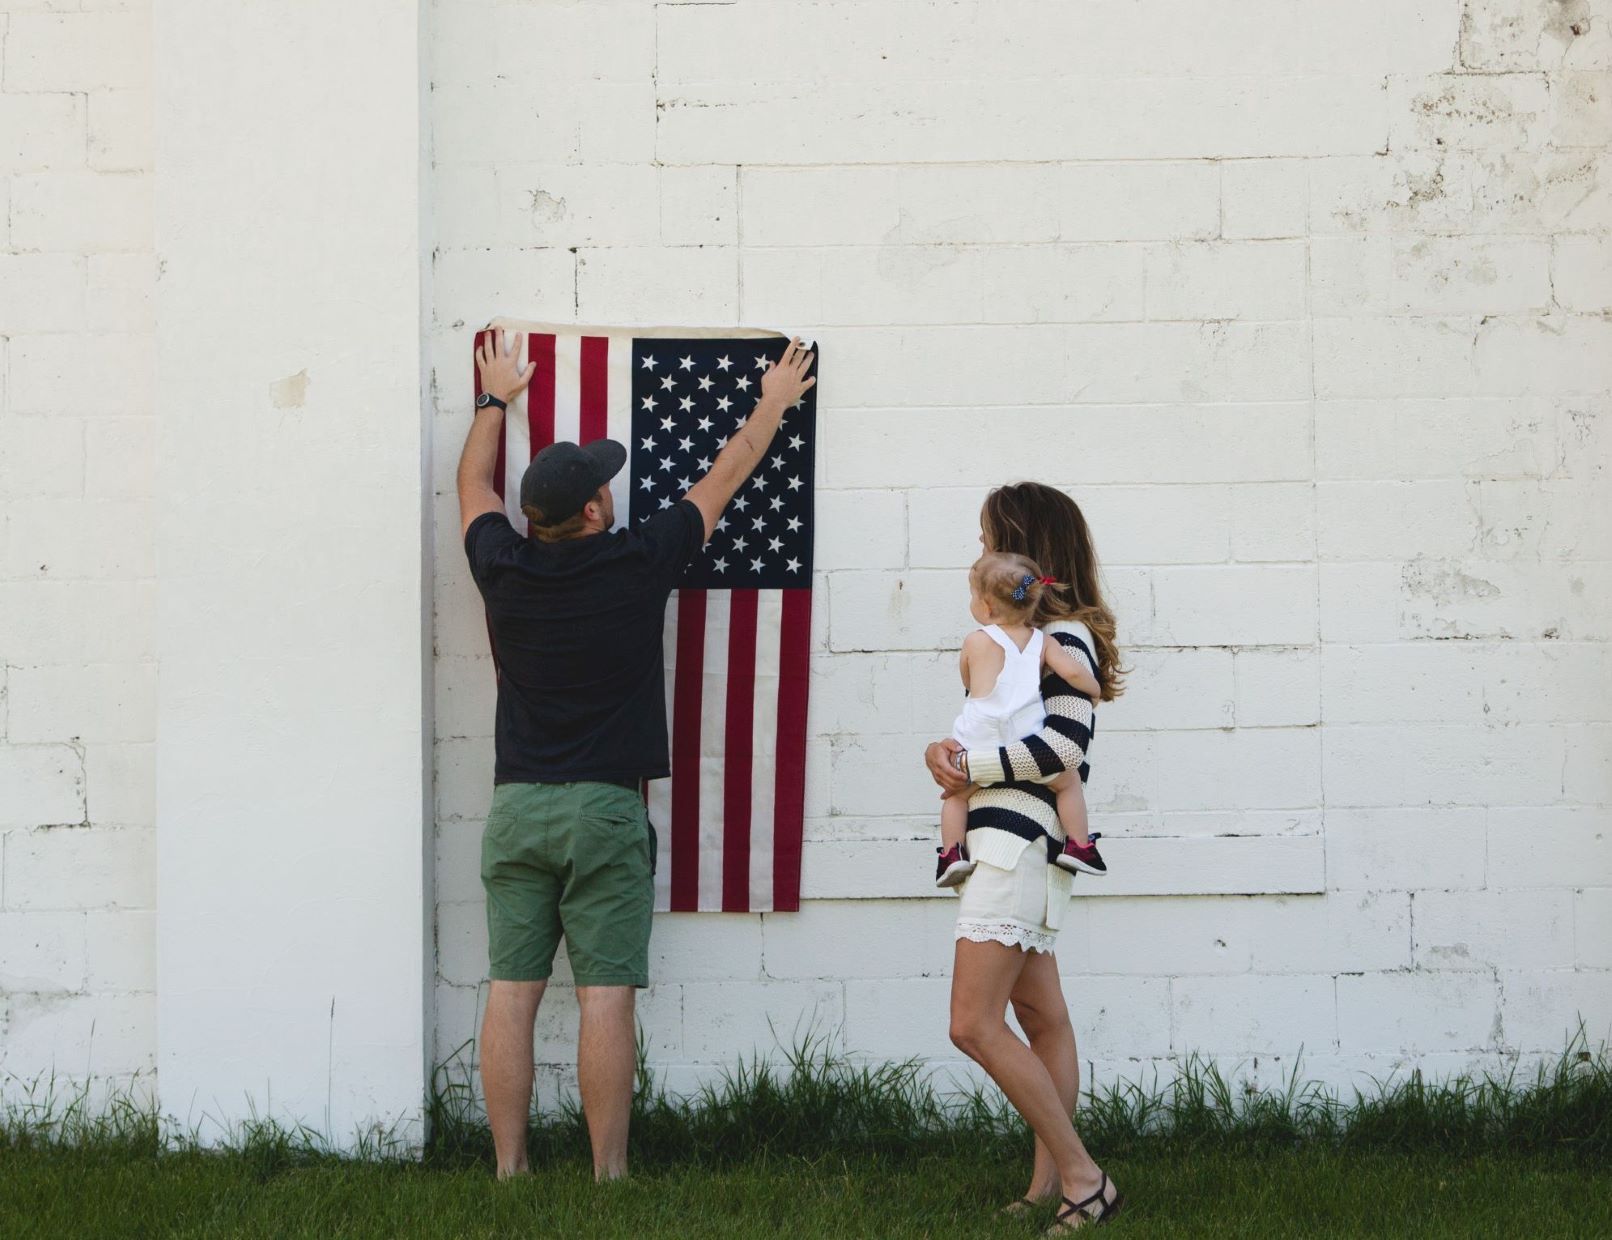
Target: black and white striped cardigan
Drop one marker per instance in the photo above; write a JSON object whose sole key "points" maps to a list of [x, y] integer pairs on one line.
{"points": [[1013, 806]]}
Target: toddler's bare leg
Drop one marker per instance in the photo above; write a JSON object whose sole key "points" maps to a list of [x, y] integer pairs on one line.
{"points": [[1072, 806], [954, 818]]}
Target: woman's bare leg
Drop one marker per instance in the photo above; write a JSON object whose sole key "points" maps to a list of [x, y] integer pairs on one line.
{"points": [[1039, 1005], [983, 977]]}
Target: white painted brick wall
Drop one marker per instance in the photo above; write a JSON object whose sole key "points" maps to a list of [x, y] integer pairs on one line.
{"points": [[1303, 303], [77, 847]]}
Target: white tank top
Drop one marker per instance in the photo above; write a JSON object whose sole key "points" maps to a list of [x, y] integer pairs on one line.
{"points": [[1012, 709]]}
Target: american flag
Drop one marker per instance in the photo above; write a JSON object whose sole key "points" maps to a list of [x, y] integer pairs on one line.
{"points": [[738, 628]]}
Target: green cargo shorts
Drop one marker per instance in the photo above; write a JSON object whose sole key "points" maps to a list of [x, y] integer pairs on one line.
{"points": [[577, 859]]}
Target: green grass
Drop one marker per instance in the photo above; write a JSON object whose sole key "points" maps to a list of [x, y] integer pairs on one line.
{"points": [[823, 1147], [1309, 1192]]}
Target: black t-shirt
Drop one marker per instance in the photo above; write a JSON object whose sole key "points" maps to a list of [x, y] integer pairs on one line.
{"points": [[576, 629]]}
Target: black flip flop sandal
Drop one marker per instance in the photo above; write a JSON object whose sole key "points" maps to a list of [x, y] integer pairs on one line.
{"points": [[1095, 1210]]}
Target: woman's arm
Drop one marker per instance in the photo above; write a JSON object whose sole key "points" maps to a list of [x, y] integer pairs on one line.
{"points": [[1059, 746]]}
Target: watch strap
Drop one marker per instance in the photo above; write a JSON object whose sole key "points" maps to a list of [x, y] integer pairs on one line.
{"points": [[488, 401]]}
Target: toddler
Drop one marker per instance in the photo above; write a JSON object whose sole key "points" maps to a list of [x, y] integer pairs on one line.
{"points": [[1002, 665]]}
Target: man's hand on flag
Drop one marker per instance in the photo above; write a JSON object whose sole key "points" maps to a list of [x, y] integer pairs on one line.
{"points": [[501, 375], [785, 380]]}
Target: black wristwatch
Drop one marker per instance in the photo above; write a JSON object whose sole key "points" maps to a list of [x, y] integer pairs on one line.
{"points": [[487, 400]]}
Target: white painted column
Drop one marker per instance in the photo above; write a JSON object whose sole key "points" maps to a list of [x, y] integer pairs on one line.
{"points": [[293, 722]]}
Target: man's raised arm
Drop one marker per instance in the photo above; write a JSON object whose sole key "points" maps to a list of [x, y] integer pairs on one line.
{"points": [[785, 382], [502, 380]]}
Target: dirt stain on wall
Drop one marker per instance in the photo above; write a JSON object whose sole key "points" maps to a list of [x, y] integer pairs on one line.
{"points": [[290, 392]]}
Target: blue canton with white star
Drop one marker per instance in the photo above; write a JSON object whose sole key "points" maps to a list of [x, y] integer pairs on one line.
{"points": [[689, 397]]}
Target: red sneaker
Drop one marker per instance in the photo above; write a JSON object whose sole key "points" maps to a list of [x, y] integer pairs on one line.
{"points": [[953, 866], [1078, 860]]}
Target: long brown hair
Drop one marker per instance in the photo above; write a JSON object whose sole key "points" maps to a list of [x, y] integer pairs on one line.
{"points": [[1041, 522]]}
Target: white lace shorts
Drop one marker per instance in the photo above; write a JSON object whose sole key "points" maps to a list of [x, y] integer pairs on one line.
{"points": [[1010, 906]]}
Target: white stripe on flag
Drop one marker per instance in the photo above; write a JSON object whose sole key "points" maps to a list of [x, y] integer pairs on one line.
{"points": [[567, 388], [517, 445], [660, 790], [764, 744], [618, 420], [713, 756]]}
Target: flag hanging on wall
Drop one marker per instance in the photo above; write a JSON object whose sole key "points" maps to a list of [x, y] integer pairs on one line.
{"points": [[738, 628]]}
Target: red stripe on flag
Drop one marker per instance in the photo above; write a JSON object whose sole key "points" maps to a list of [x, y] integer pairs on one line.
{"points": [[738, 749], [789, 799], [540, 396], [595, 402], [686, 688]]}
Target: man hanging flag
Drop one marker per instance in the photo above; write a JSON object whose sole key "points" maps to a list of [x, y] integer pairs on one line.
{"points": [[738, 628]]}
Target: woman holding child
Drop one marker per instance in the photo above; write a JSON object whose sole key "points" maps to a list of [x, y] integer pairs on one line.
{"points": [[1036, 595]]}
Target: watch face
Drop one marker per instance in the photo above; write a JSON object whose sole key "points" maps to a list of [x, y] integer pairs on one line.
{"points": [[483, 401]]}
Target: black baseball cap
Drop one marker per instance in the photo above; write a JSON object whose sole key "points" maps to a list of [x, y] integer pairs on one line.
{"points": [[563, 477]]}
